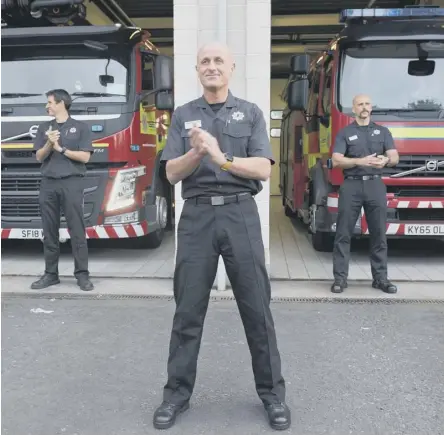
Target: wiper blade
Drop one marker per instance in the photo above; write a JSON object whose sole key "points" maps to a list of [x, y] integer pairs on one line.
{"points": [[96, 94], [18, 95]]}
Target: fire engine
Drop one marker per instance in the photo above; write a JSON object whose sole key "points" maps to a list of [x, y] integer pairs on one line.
{"points": [[121, 87], [397, 57]]}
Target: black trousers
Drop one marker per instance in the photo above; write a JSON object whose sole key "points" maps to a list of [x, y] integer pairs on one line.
{"points": [[353, 195], [204, 233], [66, 194]]}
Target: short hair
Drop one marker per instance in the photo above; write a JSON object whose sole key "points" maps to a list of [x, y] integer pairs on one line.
{"points": [[60, 95]]}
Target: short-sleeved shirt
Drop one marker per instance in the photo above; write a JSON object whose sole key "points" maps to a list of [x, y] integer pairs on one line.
{"points": [[240, 129], [75, 136], [356, 141]]}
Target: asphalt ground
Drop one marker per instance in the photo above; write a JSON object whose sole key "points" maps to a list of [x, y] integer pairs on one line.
{"points": [[97, 367]]}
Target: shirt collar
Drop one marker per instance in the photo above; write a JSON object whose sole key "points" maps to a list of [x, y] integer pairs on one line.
{"points": [[231, 101]]}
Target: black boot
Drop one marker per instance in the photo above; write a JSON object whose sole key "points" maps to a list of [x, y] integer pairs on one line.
{"points": [[338, 286], [165, 415], [85, 283], [385, 285], [45, 281], [279, 416]]}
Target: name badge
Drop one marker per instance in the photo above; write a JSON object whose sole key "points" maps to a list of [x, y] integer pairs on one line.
{"points": [[353, 137], [193, 124]]}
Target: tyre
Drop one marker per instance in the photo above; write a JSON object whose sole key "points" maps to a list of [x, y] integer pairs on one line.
{"points": [[322, 242], [288, 211], [163, 209]]}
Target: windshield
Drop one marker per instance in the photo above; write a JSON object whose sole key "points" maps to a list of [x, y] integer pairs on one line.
{"points": [[27, 74], [381, 70]]}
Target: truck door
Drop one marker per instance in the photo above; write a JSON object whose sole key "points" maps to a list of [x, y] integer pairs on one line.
{"points": [[305, 141]]}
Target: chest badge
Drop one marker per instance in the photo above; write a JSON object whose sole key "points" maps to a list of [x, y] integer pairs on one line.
{"points": [[238, 116], [354, 137], [193, 124], [72, 130], [376, 132]]}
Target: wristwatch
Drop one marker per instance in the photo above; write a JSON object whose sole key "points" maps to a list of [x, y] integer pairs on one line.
{"points": [[63, 151], [228, 163]]}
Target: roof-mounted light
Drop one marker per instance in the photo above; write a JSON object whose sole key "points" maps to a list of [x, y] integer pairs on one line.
{"points": [[353, 14]]}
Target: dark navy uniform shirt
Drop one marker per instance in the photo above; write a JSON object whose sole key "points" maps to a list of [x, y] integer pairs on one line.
{"points": [[240, 129], [356, 141], [75, 136]]}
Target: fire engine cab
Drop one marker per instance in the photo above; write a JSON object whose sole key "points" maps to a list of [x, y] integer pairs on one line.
{"points": [[121, 88], [397, 57]]}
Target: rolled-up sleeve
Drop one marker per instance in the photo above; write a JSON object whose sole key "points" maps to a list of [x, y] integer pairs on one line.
{"points": [[175, 146], [85, 142], [340, 146], [259, 143]]}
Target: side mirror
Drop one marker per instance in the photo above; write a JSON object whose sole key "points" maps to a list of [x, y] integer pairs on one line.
{"points": [[298, 95], [164, 101], [300, 64], [163, 73]]}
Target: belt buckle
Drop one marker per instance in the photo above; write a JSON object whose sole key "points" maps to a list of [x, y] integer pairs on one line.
{"points": [[366, 177], [217, 200]]}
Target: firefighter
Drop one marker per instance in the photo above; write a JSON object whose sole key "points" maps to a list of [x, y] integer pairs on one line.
{"points": [[218, 147], [362, 150], [63, 146]]}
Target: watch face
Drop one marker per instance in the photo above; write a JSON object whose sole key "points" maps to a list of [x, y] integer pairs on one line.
{"points": [[229, 157]]}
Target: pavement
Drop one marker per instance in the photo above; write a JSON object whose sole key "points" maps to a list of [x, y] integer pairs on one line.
{"points": [[97, 367], [106, 288]]}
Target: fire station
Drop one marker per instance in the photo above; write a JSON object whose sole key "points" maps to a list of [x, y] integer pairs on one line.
{"points": [[290, 57]]}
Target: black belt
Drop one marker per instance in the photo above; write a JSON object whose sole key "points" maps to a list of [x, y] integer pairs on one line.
{"points": [[220, 200], [362, 177]]}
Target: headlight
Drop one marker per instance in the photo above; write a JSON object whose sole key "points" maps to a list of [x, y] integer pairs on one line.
{"points": [[124, 188]]}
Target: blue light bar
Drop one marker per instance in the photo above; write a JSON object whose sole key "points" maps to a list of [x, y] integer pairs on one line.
{"points": [[350, 14]]}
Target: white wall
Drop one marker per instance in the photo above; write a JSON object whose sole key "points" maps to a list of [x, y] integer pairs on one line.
{"points": [[245, 25]]}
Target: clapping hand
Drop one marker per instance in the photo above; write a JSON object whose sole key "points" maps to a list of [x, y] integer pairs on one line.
{"points": [[53, 136], [374, 161], [383, 160], [204, 143]]}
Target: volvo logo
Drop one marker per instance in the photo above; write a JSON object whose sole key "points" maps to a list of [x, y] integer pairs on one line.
{"points": [[33, 131], [432, 165]]}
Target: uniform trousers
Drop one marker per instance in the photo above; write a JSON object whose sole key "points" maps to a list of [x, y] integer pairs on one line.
{"points": [[56, 195], [233, 231], [353, 196]]}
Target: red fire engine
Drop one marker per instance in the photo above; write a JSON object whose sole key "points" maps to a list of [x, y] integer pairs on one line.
{"points": [[397, 57], [121, 87]]}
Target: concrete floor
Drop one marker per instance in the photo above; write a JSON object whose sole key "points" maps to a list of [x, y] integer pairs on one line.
{"points": [[292, 257], [97, 367]]}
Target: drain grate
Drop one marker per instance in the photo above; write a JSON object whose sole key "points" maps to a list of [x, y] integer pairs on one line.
{"points": [[277, 299]]}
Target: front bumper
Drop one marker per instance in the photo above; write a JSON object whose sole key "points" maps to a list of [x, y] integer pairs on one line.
{"points": [[96, 232], [21, 217], [406, 217]]}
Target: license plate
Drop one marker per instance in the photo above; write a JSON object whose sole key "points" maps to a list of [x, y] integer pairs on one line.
{"points": [[30, 234], [424, 230]]}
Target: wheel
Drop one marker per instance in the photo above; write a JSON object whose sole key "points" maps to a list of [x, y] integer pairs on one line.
{"points": [[163, 210], [322, 242], [288, 211]]}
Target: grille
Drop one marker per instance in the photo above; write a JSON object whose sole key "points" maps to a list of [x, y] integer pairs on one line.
{"points": [[414, 191], [407, 163], [21, 184], [20, 207], [421, 214]]}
